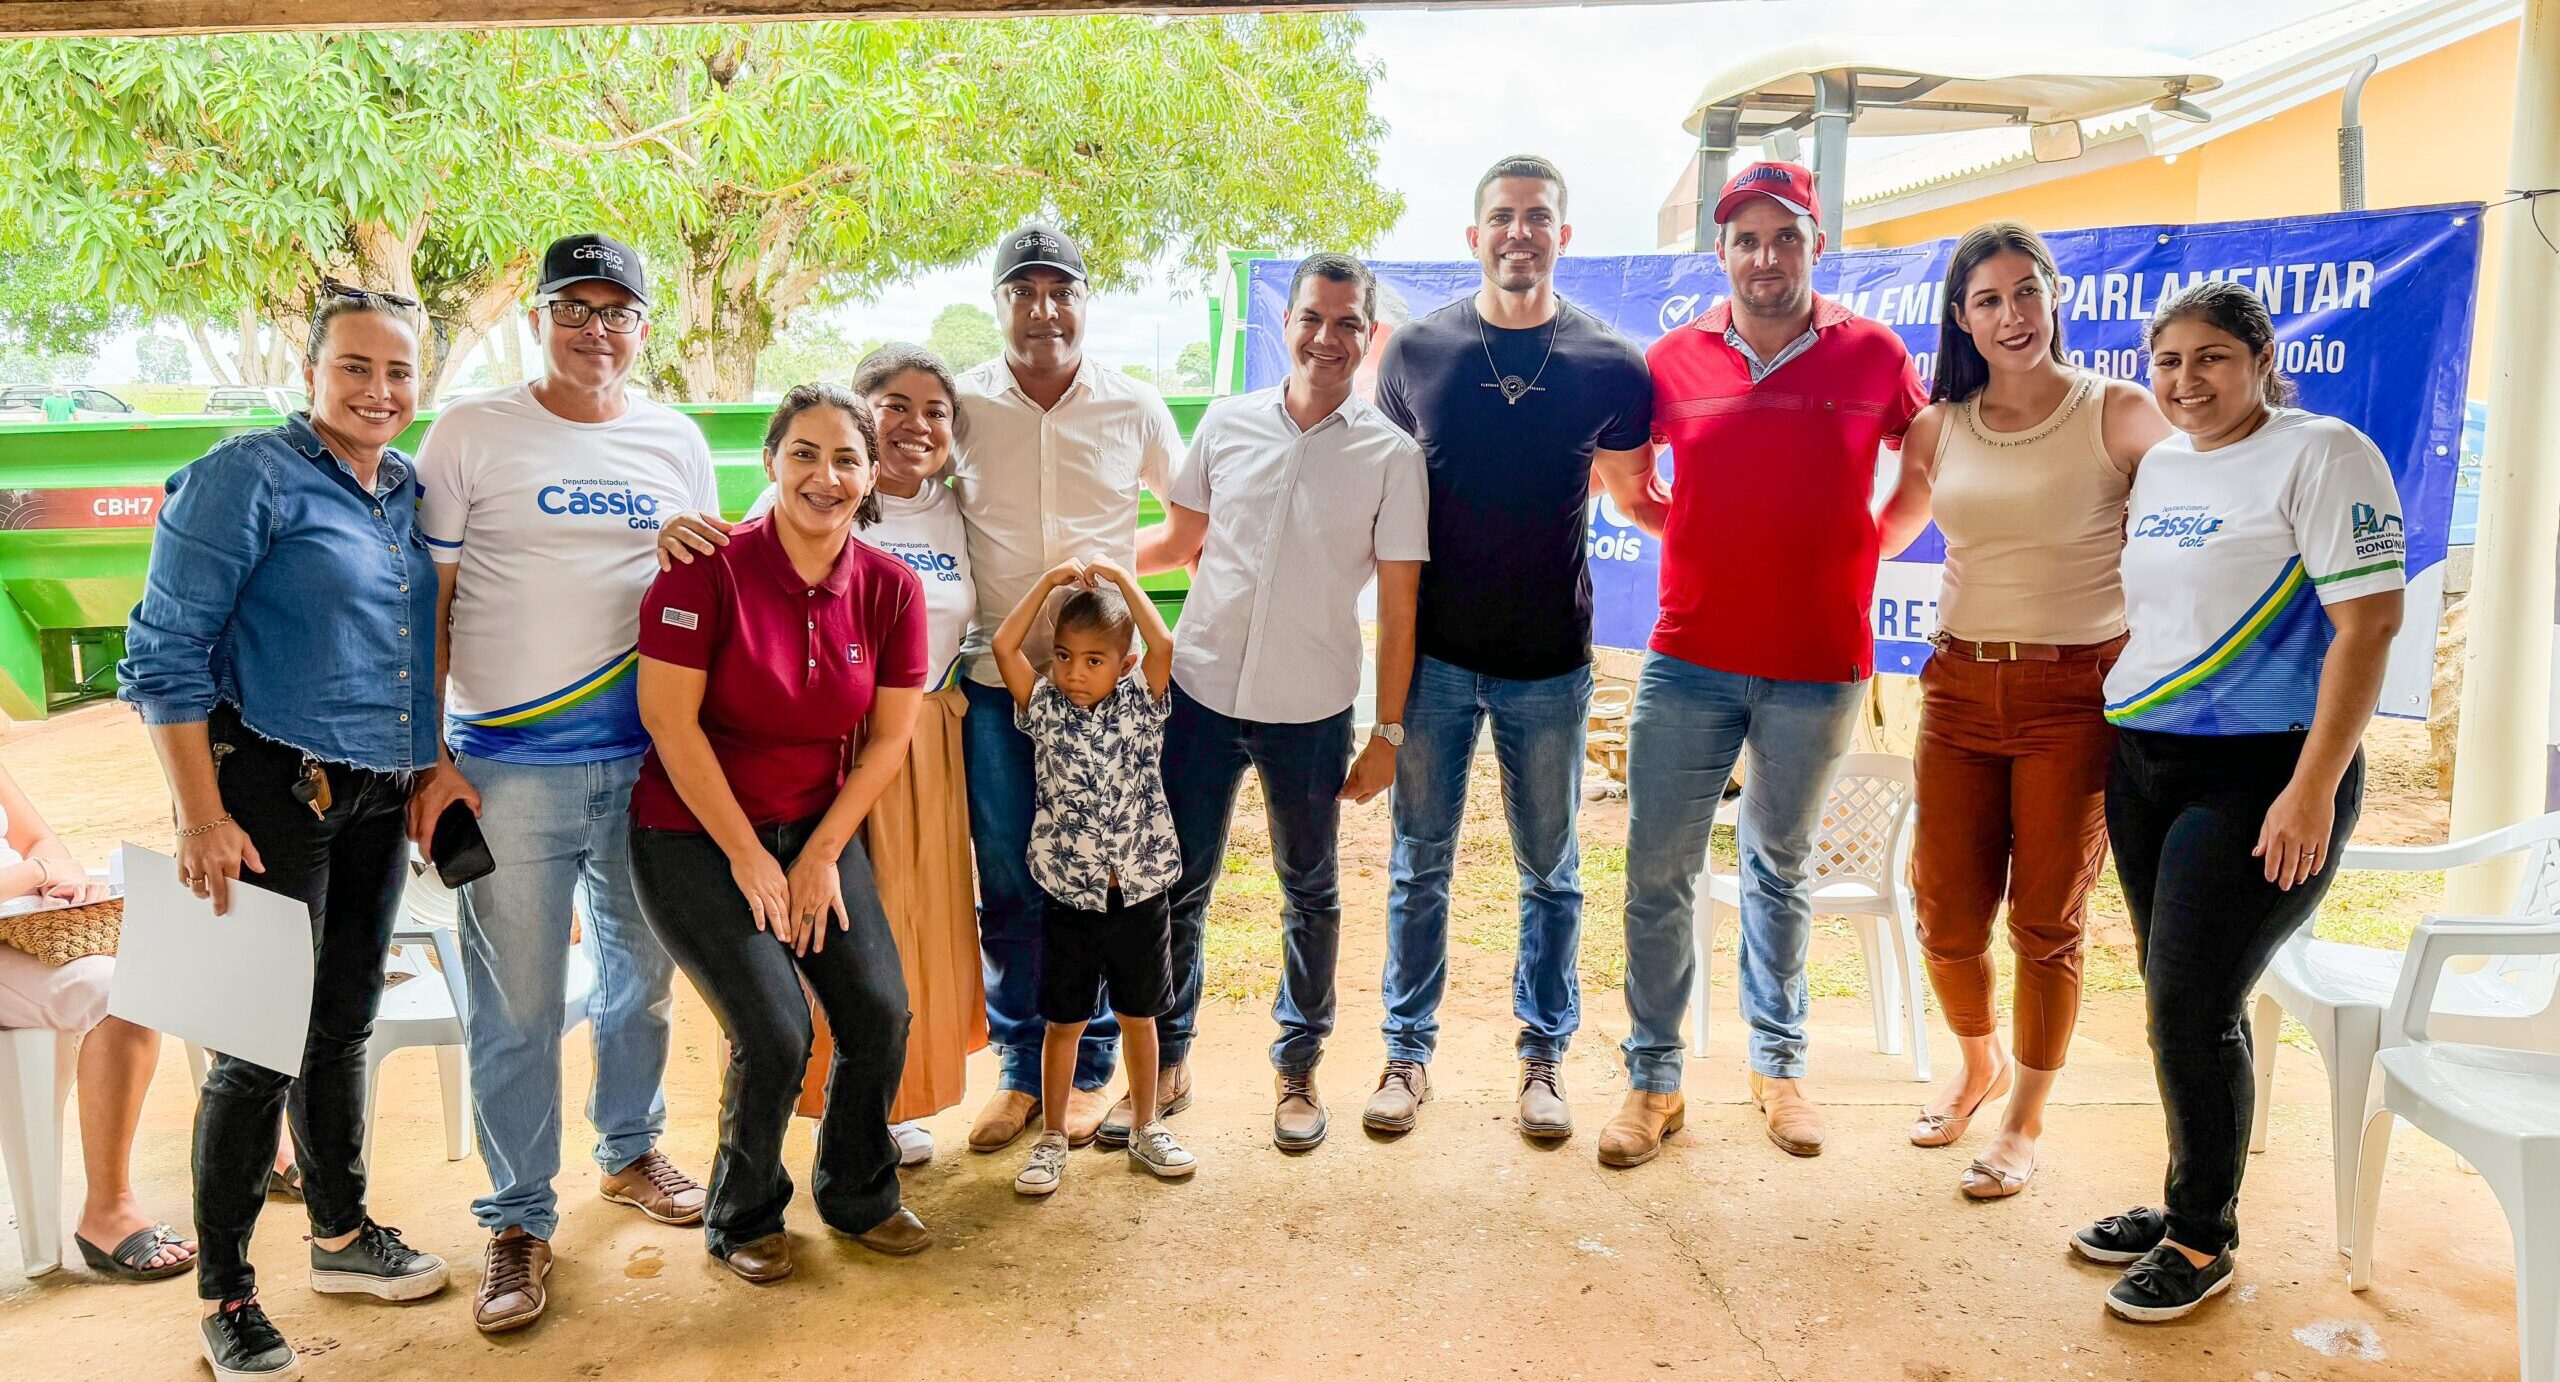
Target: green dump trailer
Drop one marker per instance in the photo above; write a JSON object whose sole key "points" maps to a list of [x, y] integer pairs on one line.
{"points": [[78, 500]]}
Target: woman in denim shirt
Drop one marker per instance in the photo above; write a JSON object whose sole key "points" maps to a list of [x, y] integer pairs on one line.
{"points": [[283, 657]]}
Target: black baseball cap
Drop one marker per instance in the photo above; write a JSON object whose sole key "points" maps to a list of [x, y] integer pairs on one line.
{"points": [[590, 258], [1037, 246]]}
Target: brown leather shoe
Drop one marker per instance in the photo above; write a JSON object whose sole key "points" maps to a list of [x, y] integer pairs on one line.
{"points": [[1085, 1109], [766, 1259], [1001, 1120], [1397, 1104], [511, 1274], [1173, 1095], [656, 1188], [1298, 1120], [1794, 1123], [900, 1235], [1544, 1115], [1635, 1135]]}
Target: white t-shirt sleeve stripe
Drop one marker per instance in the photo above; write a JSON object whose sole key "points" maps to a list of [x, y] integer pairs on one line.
{"points": [[2346, 517]]}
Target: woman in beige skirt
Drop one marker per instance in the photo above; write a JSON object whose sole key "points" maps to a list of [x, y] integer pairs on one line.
{"points": [[918, 834]]}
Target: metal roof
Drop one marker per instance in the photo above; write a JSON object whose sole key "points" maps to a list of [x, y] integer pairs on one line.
{"points": [[2265, 76], [1936, 83]]}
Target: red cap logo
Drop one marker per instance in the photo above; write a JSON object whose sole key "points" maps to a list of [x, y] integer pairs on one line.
{"points": [[1788, 184]]}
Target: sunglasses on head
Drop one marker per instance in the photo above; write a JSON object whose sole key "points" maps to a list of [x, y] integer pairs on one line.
{"points": [[336, 289]]}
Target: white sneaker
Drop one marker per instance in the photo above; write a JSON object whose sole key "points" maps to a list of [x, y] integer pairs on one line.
{"points": [[1048, 1166], [1154, 1150], [915, 1143]]}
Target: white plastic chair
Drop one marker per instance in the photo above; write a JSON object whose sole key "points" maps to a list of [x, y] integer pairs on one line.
{"points": [[35, 1081], [2339, 992], [2496, 1105], [1860, 868]]}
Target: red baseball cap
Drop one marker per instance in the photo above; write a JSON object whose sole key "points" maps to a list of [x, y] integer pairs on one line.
{"points": [[1788, 184]]}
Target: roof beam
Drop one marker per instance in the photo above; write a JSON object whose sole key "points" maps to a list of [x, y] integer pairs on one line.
{"points": [[100, 18]]}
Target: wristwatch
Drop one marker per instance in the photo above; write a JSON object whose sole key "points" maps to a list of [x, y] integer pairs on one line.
{"points": [[1392, 733]]}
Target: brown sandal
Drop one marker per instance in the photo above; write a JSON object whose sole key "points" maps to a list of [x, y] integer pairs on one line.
{"points": [[1940, 1129]]}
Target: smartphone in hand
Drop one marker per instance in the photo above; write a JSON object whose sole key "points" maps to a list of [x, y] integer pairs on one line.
{"points": [[457, 848]]}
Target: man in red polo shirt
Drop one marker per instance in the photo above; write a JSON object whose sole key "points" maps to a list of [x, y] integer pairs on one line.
{"points": [[1775, 405]]}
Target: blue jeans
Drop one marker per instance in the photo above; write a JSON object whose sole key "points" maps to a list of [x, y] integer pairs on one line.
{"points": [[1302, 767], [1010, 904], [558, 831], [1691, 722], [1537, 741]]}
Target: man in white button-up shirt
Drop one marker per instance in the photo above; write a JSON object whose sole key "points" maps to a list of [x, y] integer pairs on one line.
{"points": [[1291, 500], [1058, 448]]}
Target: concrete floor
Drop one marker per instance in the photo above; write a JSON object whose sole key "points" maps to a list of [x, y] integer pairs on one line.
{"points": [[1459, 1251]]}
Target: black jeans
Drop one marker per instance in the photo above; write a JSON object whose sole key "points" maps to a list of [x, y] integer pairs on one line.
{"points": [[349, 868], [1301, 767], [2183, 812], [752, 983]]}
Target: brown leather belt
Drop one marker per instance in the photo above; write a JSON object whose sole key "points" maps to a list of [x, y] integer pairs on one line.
{"points": [[2008, 650]]}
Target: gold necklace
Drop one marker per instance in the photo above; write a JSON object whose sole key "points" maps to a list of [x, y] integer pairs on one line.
{"points": [[2079, 393]]}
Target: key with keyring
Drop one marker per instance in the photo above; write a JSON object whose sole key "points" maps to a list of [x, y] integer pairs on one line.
{"points": [[312, 788]]}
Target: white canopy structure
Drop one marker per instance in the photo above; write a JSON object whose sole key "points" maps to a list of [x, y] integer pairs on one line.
{"points": [[1905, 86]]}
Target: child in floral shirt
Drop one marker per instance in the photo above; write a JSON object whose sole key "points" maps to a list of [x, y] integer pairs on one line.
{"points": [[1102, 843]]}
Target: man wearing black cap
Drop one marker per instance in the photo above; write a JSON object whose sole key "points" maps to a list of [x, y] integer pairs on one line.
{"points": [[1057, 451], [543, 503]]}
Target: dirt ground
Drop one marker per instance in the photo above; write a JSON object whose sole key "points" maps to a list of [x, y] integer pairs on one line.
{"points": [[1458, 1251]]}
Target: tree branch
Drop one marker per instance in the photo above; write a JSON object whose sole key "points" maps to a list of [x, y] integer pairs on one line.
{"points": [[655, 134]]}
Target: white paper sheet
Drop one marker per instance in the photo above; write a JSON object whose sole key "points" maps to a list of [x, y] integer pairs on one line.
{"points": [[238, 983]]}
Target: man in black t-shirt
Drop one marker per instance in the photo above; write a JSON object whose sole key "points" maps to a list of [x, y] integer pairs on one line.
{"points": [[1514, 394]]}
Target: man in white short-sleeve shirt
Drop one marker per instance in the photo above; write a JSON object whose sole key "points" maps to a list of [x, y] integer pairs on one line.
{"points": [[1292, 499], [1057, 451], [542, 506]]}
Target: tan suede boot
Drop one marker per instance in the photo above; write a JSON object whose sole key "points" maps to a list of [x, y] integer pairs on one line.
{"points": [[1794, 1123], [1635, 1135]]}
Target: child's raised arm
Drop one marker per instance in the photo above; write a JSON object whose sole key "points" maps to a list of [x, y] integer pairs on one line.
{"points": [[1158, 665], [1019, 676]]}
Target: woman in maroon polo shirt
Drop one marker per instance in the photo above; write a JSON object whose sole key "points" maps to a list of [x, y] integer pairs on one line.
{"points": [[765, 669]]}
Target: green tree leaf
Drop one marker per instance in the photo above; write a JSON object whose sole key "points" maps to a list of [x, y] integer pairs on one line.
{"points": [[765, 170]]}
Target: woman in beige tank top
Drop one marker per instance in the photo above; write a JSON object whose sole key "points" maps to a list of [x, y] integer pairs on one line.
{"points": [[2032, 462]]}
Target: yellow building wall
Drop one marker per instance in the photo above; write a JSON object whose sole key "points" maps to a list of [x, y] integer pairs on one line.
{"points": [[2436, 130]]}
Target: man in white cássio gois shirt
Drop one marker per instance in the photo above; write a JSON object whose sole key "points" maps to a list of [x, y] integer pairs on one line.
{"points": [[542, 506]]}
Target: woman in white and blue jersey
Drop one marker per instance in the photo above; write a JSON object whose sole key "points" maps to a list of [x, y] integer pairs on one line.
{"points": [[2262, 576]]}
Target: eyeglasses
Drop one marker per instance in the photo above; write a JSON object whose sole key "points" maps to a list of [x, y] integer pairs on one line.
{"points": [[336, 289], [574, 315]]}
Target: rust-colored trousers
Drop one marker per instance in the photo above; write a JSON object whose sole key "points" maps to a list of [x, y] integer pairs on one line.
{"points": [[2012, 764]]}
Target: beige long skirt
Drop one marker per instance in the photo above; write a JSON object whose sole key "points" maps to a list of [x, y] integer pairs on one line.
{"points": [[918, 839]]}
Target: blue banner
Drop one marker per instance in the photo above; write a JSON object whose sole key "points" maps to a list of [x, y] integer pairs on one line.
{"points": [[2374, 311]]}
